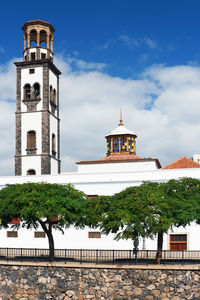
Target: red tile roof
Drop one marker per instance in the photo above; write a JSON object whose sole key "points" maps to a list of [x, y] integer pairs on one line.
{"points": [[182, 163], [121, 157]]}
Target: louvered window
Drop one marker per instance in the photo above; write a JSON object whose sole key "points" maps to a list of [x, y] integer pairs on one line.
{"points": [[94, 235], [39, 234], [31, 140], [12, 234]]}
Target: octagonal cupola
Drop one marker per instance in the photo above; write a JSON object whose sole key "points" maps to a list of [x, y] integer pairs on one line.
{"points": [[121, 141], [38, 40]]}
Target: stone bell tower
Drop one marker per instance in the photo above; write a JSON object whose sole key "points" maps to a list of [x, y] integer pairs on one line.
{"points": [[37, 105]]}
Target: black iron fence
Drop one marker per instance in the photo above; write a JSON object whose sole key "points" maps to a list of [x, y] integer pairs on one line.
{"points": [[100, 256]]}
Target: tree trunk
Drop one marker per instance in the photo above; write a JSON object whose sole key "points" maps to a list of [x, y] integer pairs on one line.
{"points": [[51, 245], [50, 239], [159, 247]]}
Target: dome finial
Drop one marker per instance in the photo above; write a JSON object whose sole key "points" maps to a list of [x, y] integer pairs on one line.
{"points": [[120, 122]]}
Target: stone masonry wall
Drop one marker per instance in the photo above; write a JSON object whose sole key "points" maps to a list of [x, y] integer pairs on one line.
{"points": [[36, 282]]}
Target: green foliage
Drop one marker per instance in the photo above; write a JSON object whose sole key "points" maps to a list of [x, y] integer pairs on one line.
{"points": [[52, 206], [151, 208], [59, 205]]}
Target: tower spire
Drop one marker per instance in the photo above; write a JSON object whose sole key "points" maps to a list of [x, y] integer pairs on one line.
{"points": [[120, 121]]}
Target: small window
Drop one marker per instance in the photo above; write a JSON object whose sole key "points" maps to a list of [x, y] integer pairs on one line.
{"points": [[33, 56], [51, 93], [54, 97], [178, 237], [43, 55], [25, 58], [31, 140], [31, 71], [94, 234], [53, 144], [35, 91], [27, 92], [39, 234], [12, 234], [31, 172], [178, 242]]}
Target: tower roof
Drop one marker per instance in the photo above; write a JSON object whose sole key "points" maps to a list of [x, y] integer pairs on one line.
{"points": [[38, 22], [121, 129]]}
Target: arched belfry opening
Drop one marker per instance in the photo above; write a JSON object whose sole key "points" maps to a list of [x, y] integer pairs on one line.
{"points": [[33, 38], [43, 38], [37, 104]]}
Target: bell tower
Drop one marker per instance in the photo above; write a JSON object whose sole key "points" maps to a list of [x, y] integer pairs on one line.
{"points": [[37, 105]]}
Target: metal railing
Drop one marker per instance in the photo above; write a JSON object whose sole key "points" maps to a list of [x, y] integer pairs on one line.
{"points": [[127, 257]]}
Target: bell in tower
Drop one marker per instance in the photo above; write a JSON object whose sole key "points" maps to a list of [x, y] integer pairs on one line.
{"points": [[37, 105]]}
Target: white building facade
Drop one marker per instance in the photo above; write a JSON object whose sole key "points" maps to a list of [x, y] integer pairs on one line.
{"points": [[38, 154]]}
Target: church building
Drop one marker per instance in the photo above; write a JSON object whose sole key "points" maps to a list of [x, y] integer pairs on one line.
{"points": [[37, 157]]}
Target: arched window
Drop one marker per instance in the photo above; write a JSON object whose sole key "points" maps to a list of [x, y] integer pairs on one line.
{"points": [[54, 96], [33, 38], [31, 140], [53, 144], [31, 172], [43, 38], [35, 91], [27, 92], [51, 93]]}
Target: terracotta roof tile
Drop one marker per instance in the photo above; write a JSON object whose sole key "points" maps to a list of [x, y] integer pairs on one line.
{"points": [[121, 157], [182, 163]]}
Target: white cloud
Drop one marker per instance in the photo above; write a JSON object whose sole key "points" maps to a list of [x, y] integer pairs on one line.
{"points": [[90, 101], [150, 43], [1, 50], [131, 42]]}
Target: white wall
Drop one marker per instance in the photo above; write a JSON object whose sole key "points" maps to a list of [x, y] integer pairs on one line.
{"points": [[54, 166], [53, 82], [31, 79], [31, 121], [95, 184], [53, 129], [135, 166], [31, 162]]}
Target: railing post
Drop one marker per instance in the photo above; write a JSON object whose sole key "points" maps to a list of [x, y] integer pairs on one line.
{"points": [[147, 257], [7, 254], [97, 259], [21, 254], [165, 257], [65, 256], [136, 255], [130, 255], [113, 256], [35, 254], [81, 255], [182, 257]]}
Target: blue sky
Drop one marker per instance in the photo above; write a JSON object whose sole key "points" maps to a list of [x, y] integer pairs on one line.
{"points": [[141, 56], [126, 35]]}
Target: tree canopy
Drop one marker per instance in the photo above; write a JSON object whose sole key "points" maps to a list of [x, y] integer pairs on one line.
{"points": [[51, 206], [152, 209]]}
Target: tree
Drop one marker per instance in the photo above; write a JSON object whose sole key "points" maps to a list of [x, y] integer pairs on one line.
{"points": [[151, 209], [51, 206]]}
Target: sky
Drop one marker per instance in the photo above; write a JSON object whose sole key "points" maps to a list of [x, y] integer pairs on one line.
{"points": [[141, 56]]}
